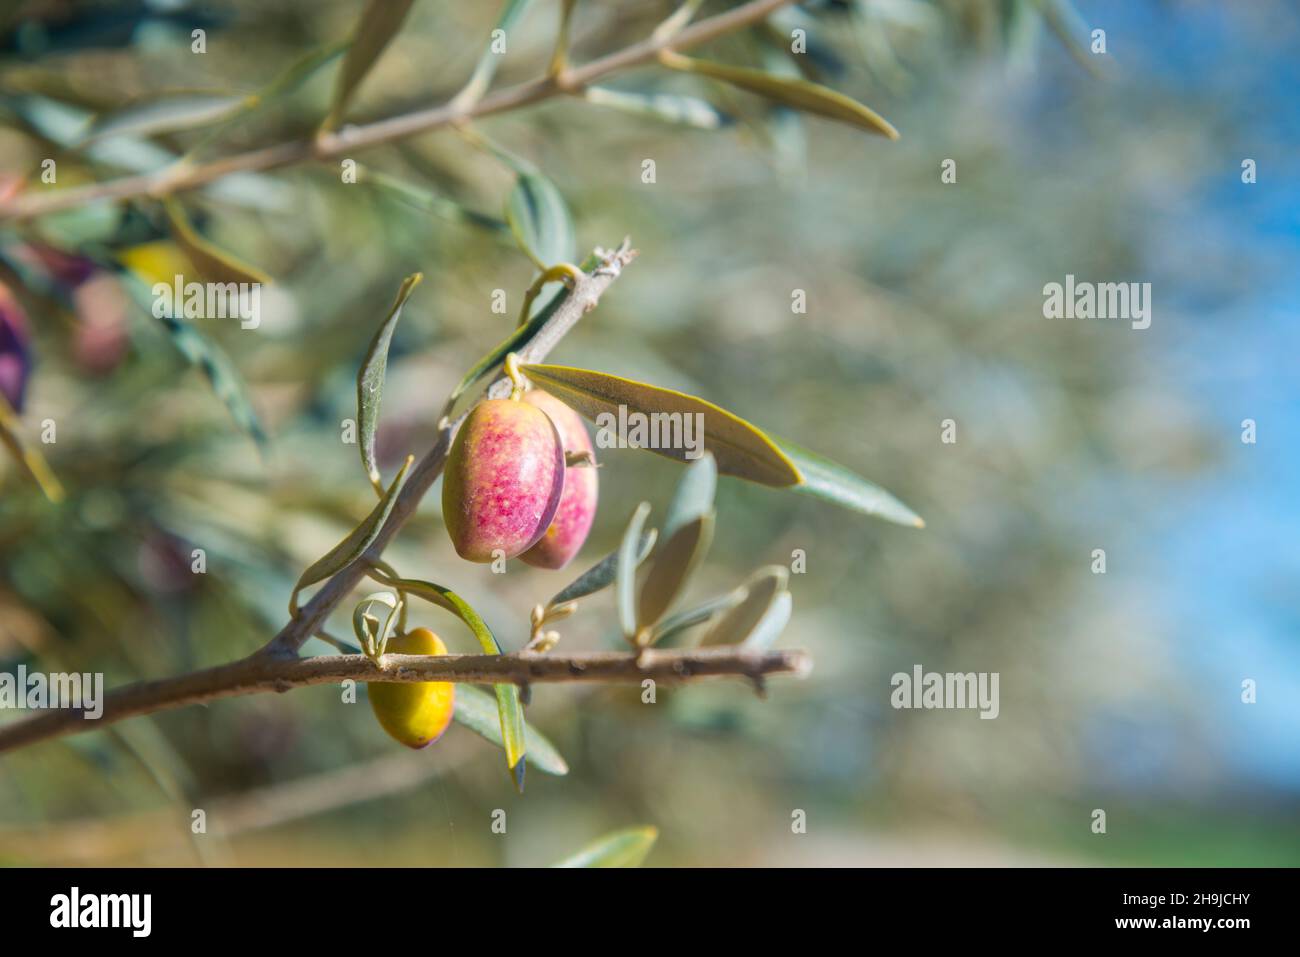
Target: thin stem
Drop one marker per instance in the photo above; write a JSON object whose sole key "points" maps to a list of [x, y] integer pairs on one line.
{"points": [[259, 673]]}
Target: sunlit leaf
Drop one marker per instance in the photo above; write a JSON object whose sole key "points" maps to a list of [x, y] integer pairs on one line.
{"points": [[627, 848], [625, 576], [354, 545], [164, 114], [377, 25], [833, 482], [669, 107], [540, 220], [761, 591], [370, 381], [214, 264], [741, 449], [478, 711], [602, 574], [793, 92]]}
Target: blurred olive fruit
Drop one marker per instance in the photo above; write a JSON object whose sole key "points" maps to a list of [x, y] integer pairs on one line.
{"points": [[572, 521], [503, 480], [15, 357], [416, 713]]}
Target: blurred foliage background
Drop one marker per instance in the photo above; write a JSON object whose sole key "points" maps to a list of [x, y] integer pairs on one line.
{"points": [[1118, 691]]}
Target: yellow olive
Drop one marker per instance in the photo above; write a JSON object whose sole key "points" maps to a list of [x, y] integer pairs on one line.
{"points": [[416, 713]]}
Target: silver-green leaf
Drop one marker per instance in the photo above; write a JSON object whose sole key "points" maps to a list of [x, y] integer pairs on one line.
{"points": [[370, 381]]}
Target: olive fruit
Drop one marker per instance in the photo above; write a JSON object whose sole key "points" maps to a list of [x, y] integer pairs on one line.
{"points": [[416, 713], [503, 480], [572, 521]]}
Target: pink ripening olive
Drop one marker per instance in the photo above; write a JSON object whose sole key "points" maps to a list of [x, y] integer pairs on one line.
{"points": [[503, 480], [572, 521]]}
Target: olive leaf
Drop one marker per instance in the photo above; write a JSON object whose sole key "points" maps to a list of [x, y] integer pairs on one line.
{"points": [[215, 264], [354, 545], [509, 708], [477, 710], [669, 107], [687, 534], [602, 574], [626, 848], [377, 25], [832, 482], [370, 381], [426, 200], [693, 495], [165, 114], [769, 627], [626, 572], [793, 92], [740, 448], [675, 624], [671, 568], [486, 67], [761, 591], [540, 220]]}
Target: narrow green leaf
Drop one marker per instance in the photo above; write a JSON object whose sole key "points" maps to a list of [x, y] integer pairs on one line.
{"points": [[693, 496], [378, 24], [761, 591], [669, 107], [509, 708], [477, 710], [768, 628], [426, 200], [674, 561], [602, 574], [627, 565], [627, 848], [215, 264], [741, 449], [354, 545], [486, 67], [206, 356], [833, 482], [793, 92], [675, 624], [540, 220], [370, 381], [165, 114]]}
